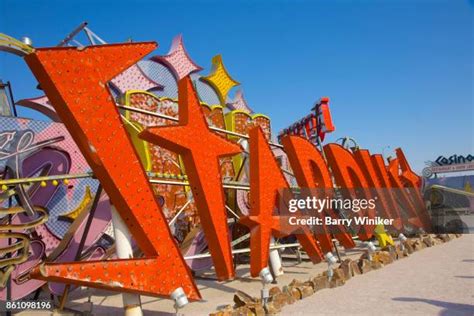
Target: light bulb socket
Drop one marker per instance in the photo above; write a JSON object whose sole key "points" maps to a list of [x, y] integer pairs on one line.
{"points": [[330, 258], [179, 297], [27, 41], [402, 238], [266, 276], [371, 247]]}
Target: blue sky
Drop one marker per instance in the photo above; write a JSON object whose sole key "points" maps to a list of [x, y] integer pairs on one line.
{"points": [[398, 73]]}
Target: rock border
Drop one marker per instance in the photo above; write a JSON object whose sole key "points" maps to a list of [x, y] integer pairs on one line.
{"points": [[248, 305]]}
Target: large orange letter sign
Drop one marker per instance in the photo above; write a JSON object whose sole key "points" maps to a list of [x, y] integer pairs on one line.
{"points": [[413, 181], [348, 174], [311, 171], [201, 149], [411, 198], [387, 207], [75, 82], [266, 179]]}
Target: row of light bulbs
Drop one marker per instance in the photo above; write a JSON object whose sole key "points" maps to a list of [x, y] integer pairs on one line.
{"points": [[42, 184]]}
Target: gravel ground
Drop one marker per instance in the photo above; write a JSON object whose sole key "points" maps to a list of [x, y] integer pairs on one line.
{"points": [[433, 281]]}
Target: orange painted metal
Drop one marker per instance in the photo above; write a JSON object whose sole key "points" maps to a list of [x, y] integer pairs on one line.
{"points": [[411, 180], [311, 171], [396, 197], [325, 116], [401, 177], [266, 180], [75, 81], [383, 178], [403, 197], [386, 206], [348, 175], [201, 149]]}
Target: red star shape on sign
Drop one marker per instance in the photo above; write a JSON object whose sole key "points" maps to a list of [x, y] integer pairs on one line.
{"points": [[266, 180], [200, 149]]}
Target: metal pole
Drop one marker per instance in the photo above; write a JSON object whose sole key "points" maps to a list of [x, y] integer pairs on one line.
{"points": [[123, 248], [46, 178], [89, 36], [275, 260], [9, 286], [71, 35], [232, 212], [174, 119], [226, 184], [179, 212], [95, 36], [243, 250]]}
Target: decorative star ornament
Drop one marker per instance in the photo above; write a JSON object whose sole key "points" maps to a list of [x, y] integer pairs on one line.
{"points": [[42, 105], [178, 59], [220, 79], [239, 102], [201, 149], [134, 79]]}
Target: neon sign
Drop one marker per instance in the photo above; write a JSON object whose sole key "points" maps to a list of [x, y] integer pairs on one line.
{"points": [[75, 81]]}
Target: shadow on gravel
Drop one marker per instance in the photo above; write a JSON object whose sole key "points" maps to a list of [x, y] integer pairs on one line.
{"points": [[449, 308]]}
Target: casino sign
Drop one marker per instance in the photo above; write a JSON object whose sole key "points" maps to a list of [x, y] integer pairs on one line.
{"points": [[455, 163]]}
